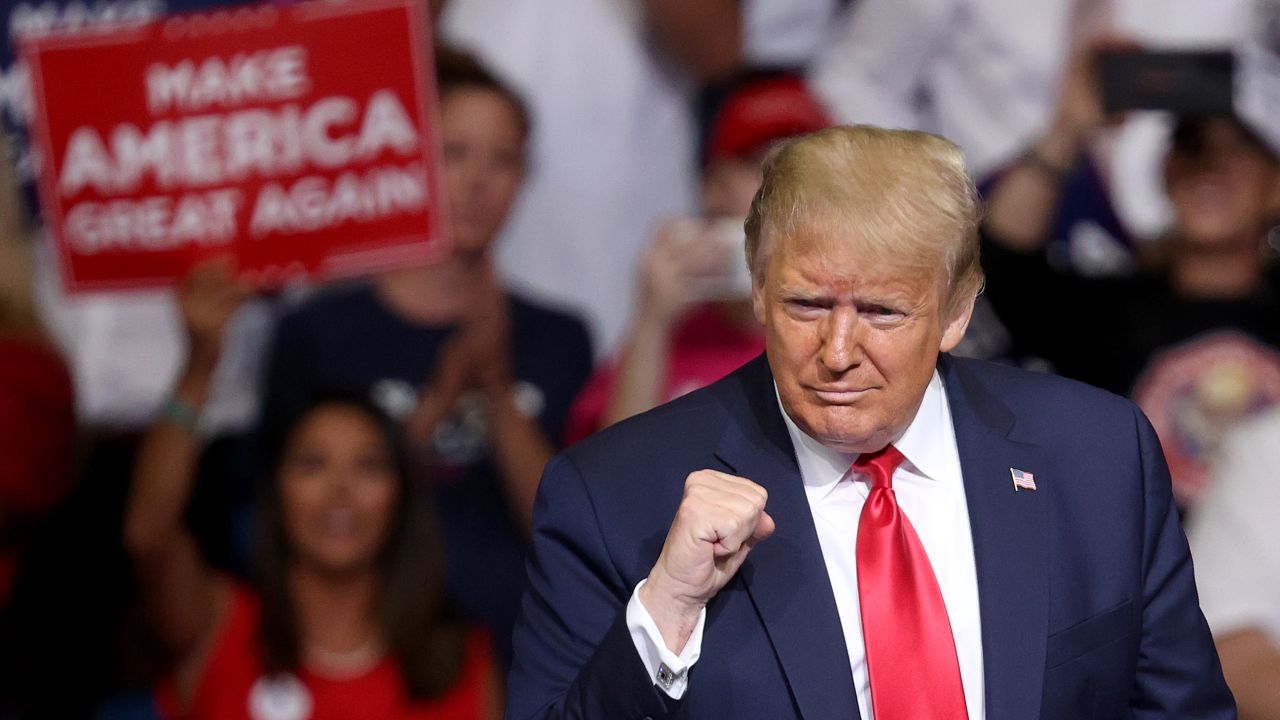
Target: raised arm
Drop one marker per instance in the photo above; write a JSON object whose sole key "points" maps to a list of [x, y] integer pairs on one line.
{"points": [[1023, 201], [574, 656], [583, 635], [180, 589], [680, 253], [705, 36]]}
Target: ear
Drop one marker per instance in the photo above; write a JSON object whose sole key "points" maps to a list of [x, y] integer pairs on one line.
{"points": [[758, 293], [953, 333]]}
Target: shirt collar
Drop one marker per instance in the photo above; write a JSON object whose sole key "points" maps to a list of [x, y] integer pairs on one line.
{"points": [[926, 444]]}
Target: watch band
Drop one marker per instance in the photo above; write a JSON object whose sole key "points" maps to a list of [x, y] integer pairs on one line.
{"points": [[181, 413]]}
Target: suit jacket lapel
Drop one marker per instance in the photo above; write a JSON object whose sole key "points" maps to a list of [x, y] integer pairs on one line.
{"points": [[786, 576], [1009, 544]]}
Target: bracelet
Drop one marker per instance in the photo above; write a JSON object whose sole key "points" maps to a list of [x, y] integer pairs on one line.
{"points": [[1034, 159], [181, 413]]}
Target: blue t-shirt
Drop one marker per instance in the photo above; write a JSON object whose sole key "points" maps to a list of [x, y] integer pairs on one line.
{"points": [[348, 339]]}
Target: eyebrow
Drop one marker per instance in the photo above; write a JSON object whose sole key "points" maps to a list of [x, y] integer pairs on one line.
{"points": [[886, 298]]}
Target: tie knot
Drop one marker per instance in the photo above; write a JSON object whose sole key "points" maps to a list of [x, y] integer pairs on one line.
{"points": [[879, 465]]}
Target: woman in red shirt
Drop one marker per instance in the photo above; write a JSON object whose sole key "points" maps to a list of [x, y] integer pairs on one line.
{"points": [[346, 618]]}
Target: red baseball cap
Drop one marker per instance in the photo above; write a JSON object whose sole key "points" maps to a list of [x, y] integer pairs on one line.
{"points": [[760, 113]]}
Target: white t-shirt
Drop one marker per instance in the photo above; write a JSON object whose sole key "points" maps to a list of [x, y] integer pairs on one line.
{"points": [[1234, 536]]}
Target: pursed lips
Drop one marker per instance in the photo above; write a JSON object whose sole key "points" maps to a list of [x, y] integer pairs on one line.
{"points": [[840, 395]]}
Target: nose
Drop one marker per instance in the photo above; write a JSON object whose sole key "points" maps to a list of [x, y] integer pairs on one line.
{"points": [[842, 340], [340, 486]]}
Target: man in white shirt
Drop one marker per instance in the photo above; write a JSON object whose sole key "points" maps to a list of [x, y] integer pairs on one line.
{"points": [[1236, 544], [863, 525]]}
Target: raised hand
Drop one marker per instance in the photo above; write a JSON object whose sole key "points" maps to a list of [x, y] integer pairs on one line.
{"points": [[1080, 109], [208, 296], [720, 518], [682, 257]]}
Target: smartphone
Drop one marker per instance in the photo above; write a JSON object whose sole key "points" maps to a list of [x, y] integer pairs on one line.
{"points": [[1187, 82], [734, 283]]}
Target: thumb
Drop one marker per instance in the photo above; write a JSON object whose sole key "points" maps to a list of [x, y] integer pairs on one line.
{"points": [[764, 528]]}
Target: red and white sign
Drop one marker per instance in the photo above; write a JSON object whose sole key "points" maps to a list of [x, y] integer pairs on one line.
{"points": [[297, 138]]}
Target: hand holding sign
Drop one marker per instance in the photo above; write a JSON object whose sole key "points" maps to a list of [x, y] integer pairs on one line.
{"points": [[208, 297]]}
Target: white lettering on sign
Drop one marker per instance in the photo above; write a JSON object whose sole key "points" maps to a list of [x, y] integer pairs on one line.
{"points": [[209, 218], [276, 74], [154, 223], [315, 202], [208, 150], [32, 20]]}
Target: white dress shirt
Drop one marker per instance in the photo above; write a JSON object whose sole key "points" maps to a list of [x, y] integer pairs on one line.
{"points": [[930, 491]]}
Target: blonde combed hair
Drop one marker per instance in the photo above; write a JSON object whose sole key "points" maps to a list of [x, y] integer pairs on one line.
{"points": [[903, 196]]}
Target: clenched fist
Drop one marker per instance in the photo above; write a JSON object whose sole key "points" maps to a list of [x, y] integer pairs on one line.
{"points": [[720, 519]]}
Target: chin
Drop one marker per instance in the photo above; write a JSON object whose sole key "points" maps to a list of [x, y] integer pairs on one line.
{"points": [[341, 561], [1213, 236], [841, 432], [859, 445]]}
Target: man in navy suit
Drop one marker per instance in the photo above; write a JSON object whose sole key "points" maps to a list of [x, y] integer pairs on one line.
{"points": [[858, 525]]}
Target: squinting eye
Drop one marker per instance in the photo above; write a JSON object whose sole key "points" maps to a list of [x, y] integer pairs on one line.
{"points": [[878, 311]]}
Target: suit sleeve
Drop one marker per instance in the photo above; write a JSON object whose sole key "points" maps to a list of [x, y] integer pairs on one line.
{"points": [[1178, 671], [573, 653]]}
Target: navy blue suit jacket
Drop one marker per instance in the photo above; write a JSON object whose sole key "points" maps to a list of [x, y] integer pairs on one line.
{"points": [[1088, 602]]}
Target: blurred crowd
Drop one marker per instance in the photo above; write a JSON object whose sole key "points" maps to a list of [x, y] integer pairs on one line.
{"points": [[219, 502]]}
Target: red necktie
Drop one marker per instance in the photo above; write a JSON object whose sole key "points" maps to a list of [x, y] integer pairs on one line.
{"points": [[911, 655]]}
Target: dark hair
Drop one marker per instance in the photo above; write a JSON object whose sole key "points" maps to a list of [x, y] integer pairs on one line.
{"points": [[410, 612], [1190, 134], [458, 70]]}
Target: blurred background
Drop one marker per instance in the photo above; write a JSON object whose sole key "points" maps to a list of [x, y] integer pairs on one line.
{"points": [[219, 501]]}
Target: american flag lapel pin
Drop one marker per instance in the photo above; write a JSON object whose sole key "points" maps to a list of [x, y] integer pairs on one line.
{"points": [[1022, 480]]}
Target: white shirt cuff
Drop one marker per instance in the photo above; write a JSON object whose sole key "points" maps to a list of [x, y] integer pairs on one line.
{"points": [[669, 671]]}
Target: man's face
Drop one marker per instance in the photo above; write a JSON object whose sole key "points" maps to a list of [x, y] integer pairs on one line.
{"points": [[852, 346]]}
